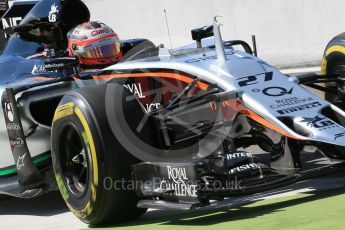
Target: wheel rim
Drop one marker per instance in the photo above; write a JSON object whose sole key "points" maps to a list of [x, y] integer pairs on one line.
{"points": [[74, 160], [338, 69]]}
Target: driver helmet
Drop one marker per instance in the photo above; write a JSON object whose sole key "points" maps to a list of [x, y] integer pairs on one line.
{"points": [[95, 44]]}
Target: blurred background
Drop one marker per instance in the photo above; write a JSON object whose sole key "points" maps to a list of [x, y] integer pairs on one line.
{"points": [[289, 33]]}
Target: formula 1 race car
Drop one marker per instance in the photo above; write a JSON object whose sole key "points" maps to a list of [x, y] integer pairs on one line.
{"points": [[164, 129]]}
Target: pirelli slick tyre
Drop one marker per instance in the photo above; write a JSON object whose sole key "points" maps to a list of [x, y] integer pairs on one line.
{"points": [[333, 62], [88, 160]]}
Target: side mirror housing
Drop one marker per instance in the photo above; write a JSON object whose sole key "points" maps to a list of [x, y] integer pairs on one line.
{"points": [[201, 33]]}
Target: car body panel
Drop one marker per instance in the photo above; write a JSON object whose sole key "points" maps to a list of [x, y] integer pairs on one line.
{"points": [[274, 101], [283, 97]]}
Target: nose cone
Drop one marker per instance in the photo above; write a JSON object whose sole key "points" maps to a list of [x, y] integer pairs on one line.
{"points": [[240, 65]]}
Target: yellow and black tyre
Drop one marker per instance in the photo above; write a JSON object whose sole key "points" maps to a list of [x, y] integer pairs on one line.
{"points": [[88, 160], [333, 62]]}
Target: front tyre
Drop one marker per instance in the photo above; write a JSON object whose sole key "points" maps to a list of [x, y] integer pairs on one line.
{"points": [[333, 63], [92, 169]]}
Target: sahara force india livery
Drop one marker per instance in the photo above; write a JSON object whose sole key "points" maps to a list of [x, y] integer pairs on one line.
{"points": [[164, 129]]}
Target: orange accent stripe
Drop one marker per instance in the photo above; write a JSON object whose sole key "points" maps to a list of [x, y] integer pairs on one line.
{"points": [[176, 76], [242, 109], [42, 78]]}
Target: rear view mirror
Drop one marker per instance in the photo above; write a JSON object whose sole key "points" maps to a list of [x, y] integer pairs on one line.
{"points": [[201, 33]]}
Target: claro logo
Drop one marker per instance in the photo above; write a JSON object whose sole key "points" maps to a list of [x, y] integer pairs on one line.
{"points": [[100, 31]]}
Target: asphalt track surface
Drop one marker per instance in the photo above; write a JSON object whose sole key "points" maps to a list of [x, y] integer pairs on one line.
{"points": [[50, 212]]}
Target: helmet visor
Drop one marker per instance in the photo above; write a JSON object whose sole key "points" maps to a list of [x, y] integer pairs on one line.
{"points": [[105, 51]]}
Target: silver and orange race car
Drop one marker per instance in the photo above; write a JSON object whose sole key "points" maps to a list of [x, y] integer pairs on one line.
{"points": [[166, 129]]}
